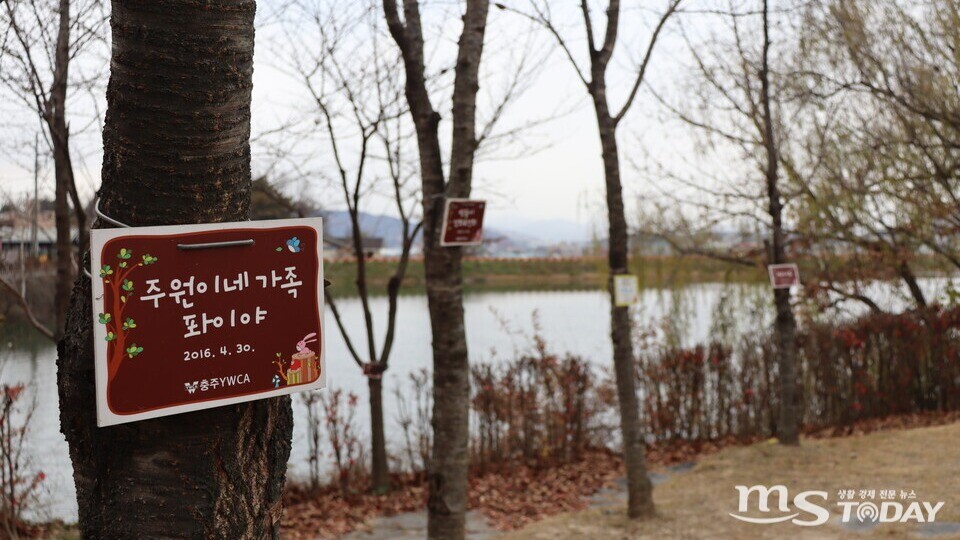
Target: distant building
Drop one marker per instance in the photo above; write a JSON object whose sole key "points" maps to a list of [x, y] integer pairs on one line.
{"points": [[16, 233]]}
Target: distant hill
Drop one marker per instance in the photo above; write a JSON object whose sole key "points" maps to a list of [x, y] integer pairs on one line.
{"points": [[545, 232], [337, 223], [514, 235]]}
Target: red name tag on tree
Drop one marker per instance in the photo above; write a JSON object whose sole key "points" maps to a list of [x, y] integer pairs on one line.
{"points": [[784, 276], [463, 222], [198, 316]]}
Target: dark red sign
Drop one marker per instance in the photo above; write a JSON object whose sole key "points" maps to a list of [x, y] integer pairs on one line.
{"points": [[784, 276], [463, 222], [199, 316]]}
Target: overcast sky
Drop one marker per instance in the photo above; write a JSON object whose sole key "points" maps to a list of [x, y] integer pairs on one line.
{"points": [[553, 172]]}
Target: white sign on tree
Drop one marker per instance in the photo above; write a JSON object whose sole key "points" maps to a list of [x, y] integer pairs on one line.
{"points": [[626, 290]]}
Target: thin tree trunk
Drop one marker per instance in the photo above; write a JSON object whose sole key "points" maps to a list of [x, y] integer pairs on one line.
{"points": [[55, 117], [449, 460], [79, 212], [64, 247], [785, 328], [379, 473], [785, 325], [639, 488], [908, 277], [176, 150]]}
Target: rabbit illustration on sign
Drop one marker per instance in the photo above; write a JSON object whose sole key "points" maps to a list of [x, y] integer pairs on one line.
{"points": [[304, 365], [301, 368], [309, 338]]}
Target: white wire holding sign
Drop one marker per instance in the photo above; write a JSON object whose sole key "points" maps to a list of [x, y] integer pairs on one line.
{"points": [[626, 290]]}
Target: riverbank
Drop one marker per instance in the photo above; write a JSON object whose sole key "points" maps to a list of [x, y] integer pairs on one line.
{"points": [[582, 273], [484, 274]]}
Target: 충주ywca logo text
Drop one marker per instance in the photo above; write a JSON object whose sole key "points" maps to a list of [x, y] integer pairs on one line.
{"points": [[812, 508]]}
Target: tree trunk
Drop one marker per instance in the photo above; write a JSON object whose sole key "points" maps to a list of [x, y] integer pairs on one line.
{"points": [[79, 212], [176, 150], [908, 277], [55, 117], [639, 488], [449, 460], [61, 210], [379, 470], [785, 326]]}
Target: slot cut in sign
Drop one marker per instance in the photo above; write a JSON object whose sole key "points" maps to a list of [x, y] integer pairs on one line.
{"points": [[462, 223], [191, 317], [784, 276]]}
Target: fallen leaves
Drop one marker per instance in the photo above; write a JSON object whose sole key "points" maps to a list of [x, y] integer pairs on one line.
{"points": [[523, 495], [327, 514]]}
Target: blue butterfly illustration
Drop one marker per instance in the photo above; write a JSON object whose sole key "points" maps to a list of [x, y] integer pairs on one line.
{"points": [[293, 244]]}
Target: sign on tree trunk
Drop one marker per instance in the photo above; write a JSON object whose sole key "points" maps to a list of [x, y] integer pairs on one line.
{"points": [[198, 316], [626, 290], [784, 276], [463, 223]]}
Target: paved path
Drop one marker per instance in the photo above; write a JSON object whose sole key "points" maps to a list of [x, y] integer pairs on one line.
{"points": [[414, 524]]}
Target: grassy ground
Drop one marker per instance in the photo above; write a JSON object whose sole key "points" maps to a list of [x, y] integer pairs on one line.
{"points": [[545, 274], [696, 504]]}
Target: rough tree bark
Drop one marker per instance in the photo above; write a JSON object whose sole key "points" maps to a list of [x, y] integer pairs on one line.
{"points": [[447, 470], [785, 325], [176, 150]]}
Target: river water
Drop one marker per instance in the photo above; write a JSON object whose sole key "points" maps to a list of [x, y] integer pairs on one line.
{"points": [[498, 326]]}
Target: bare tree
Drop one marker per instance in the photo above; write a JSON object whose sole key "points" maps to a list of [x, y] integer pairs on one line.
{"points": [[447, 471], [594, 78], [41, 39], [175, 151], [849, 215], [885, 133], [356, 91], [740, 105], [785, 325]]}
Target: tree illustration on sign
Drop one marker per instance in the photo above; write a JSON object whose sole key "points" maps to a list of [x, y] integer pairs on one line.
{"points": [[283, 364], [118, 327]]}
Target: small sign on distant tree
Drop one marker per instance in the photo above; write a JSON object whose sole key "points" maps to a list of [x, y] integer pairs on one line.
{"points": [[198, 316], [626, 290], [463, 222], [784, 276]]}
